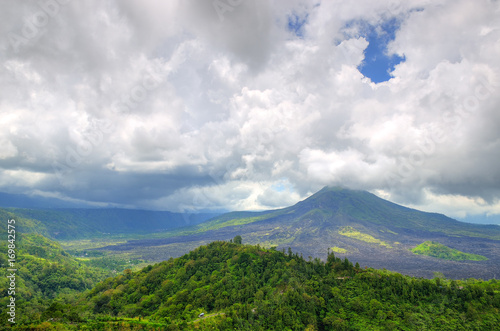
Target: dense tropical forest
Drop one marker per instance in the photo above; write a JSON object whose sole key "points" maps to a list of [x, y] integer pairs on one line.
{"points": [[244, 287], [47, 275]]}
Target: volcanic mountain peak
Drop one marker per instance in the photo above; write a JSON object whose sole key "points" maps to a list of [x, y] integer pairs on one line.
{"points": [[358, 205]]}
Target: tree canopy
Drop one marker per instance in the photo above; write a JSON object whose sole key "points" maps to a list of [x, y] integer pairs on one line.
{"points": [[243, 287]]}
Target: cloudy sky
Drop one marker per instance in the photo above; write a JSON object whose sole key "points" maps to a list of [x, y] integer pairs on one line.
{"points": [[249, 104]]}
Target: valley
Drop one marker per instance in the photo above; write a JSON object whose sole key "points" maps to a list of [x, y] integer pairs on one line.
{"points": [[366, 229], [417, 264], [356, 224]]}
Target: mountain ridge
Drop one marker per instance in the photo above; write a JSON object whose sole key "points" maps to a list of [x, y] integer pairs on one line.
{"points": [[355, 223], [362, 205], [74, 223], [364, 227]]}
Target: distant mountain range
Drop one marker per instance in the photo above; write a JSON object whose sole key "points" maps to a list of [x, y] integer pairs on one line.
{"points": [[351, 223], [8, 200], [78, 223], [355, 224], [27, 201]]}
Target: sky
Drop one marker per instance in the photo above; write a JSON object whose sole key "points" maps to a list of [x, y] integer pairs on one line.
{"points": [[251, 105]]}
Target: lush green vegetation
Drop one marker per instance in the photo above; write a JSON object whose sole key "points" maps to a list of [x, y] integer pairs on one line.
{"points": [[435, 249], [235, 219], [46, 272], [23, 225], [336, 249], [351, 232], [243, 287]]}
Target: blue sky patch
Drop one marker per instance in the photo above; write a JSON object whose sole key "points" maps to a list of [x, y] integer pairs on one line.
{"points": [[378, 64], [296, 24]]}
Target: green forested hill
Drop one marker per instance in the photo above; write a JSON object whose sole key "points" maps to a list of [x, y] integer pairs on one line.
{"points": [[88, 223], [23, 224], [242, 287], [45, 273]]}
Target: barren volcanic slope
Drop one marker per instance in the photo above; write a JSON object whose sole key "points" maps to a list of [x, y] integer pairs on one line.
{"points": [[355, 224]]}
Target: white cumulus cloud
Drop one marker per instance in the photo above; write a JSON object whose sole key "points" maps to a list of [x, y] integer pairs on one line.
{"points": [[185, 105]]}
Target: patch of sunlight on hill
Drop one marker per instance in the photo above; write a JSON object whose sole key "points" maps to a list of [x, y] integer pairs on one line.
{"points": [[336, 249], [233, 222], [440, 251], [351, 232]]}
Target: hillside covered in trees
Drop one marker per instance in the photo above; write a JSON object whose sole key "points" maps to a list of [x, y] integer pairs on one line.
{"points": [[243, 287], [47, 275]]}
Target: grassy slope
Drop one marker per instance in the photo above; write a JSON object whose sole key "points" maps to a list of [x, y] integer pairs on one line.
{"points": [[435, 249], [350, 232]]}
